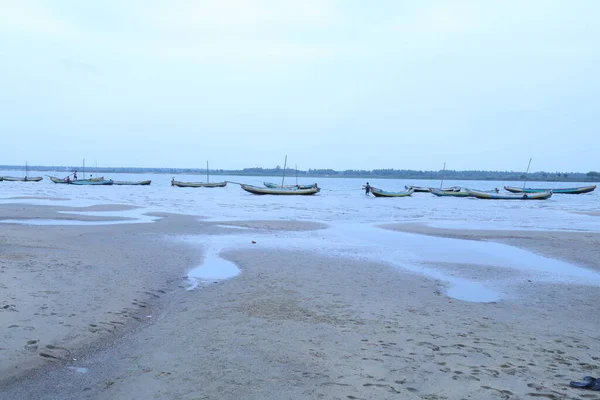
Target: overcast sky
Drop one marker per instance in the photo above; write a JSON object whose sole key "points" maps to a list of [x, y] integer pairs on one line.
{"points": [[345, 84]]}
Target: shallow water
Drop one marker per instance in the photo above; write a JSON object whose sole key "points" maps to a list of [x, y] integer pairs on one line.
{"points": [[340, 200], [351, 216]]}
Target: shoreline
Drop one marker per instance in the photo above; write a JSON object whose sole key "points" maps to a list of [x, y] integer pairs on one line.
{"points": [[313, 324]]}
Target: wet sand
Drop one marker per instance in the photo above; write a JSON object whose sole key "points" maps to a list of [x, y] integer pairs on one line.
{"points": [[293, 324]]}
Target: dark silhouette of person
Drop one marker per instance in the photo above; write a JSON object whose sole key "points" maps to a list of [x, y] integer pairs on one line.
{"points": [[367, 189]]}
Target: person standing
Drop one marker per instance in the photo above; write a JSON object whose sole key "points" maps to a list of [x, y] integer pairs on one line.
{"points": [[367, 189]]}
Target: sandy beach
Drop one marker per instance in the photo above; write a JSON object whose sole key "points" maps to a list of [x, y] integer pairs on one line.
{"points": [[102, 312]]}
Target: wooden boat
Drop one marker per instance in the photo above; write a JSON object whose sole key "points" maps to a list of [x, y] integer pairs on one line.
{"points": [[276, 186], [280, 191], [452, 193], [68, 180], [418, 189], [382, 193], [198, 184], [95, 182], [25, 179], [496, 196], [573, 190], [133, 183]]}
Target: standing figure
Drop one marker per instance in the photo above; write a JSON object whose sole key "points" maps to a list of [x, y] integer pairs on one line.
{"points": [[75, 175], [367, 189]]}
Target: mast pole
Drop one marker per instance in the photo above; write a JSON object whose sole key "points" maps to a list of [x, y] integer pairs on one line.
{"points": [[296, 174], [284, 165], [525, 180], [442, 182], [206, 171]]}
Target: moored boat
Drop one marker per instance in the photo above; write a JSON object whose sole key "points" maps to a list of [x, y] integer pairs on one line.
{"points": [[276, 186], [497, 196], [198, 184], [25, 179], [281, 191], [450, 193], [382, 193], [132, 183], [573, 190], [90, 182]]}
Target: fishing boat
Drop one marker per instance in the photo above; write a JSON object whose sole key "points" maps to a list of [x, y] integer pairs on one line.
{"points": [[276, 186], [382, 193], [26, 178], [418, 189], [497, 196], [573, 190], [90, 182], [68, 180], [451, 193], [198, 184], [206, 184], [132, 183], [281, 191]]}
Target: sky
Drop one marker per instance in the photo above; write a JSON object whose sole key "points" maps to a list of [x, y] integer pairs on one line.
{"points": [[341, 84]]}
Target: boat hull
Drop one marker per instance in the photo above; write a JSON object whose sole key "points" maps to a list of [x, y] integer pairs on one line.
{"points": [[450, 193], [132, 183], [198, 184], [26, 179], [276, 186], [382, 193], [281, 191], [521, 196], [574, 190], [91, 183]]}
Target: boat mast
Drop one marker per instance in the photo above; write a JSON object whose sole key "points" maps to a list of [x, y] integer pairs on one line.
{"points": [[26, 172], [284, 165], [442, 182], [296, 174], [525, 180], [206, 171]]}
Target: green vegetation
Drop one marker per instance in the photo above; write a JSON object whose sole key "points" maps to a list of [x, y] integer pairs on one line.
{"points": [[591, 176]]}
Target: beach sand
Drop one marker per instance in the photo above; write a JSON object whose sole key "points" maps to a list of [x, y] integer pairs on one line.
{"points": [[292, 325]]}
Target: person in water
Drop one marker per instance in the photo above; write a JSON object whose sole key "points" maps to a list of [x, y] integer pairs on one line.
{"points": [[75, 175], [367, 189]]}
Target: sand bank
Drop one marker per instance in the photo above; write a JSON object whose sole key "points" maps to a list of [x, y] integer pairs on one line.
{"points": [[297, 325]]}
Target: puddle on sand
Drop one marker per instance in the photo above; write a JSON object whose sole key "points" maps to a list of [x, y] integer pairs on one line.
{"points": [[80, 370], [213, 268], [234, 227], [58, 222]]}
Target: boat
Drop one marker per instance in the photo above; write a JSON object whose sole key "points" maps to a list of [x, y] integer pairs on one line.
{"points": [[198, 184], [452, 193], [26, 178], [94, 182], [573, 190], [497, 196], [68, 180], [206, 184], [382, 193], [132, 183], [276, 186], [281, 191], [418, 189]]}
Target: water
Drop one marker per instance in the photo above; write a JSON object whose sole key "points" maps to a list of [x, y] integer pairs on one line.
{"points": [[352, 218], [340, 200]]}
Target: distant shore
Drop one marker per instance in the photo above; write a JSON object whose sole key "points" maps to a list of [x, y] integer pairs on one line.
{"points": [[467, 175]]}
